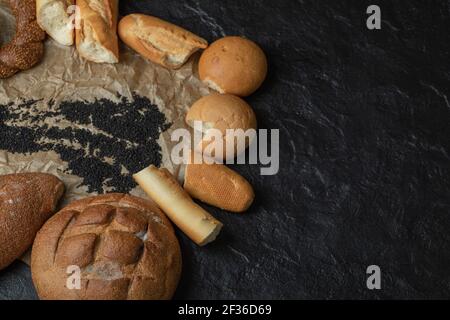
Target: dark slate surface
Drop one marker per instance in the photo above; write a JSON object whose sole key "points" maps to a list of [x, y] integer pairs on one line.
{"points": [[364, 121]]}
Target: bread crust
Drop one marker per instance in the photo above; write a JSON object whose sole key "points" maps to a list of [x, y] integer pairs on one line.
{"points": [[193, 220], [26, 49], [27, 200], [233, 65], [98, 28], [222, 112], [158, 40], [219, 186], [125, 247]]}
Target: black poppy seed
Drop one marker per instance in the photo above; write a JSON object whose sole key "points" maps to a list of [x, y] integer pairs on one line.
{"points": [[131, 127]]}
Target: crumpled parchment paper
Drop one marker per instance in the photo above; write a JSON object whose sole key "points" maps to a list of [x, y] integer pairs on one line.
{"points": [[64, 76]]}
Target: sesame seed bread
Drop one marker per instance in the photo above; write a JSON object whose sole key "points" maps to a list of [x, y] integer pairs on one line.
{"points": [[27, 200], [26, 49]]}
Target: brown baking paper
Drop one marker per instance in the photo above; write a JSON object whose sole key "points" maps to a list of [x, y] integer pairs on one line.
{"points": [[64, 76]]}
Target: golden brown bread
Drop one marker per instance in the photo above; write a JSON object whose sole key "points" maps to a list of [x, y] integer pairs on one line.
{"points": [[124, 245], [27, 200], [219, 186], [233, 65], [96, 39], [26, 48], [223, 112], [158, 40]]}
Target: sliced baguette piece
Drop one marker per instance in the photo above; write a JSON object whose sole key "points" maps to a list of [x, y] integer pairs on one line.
{"points": [[54, 18], [159, 41], [168, 194], [219, 186], [96, 38]]}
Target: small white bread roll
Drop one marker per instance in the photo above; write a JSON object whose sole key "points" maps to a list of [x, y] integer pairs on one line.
{"points": [[53, 17], [158, 40], [192, 219], [96, 38]]}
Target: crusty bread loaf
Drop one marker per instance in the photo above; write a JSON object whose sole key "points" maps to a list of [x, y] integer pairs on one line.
{"points": [[124, 247], [96, 38], [233, 65], [222, 112], [26, 48], [158, 40], [219, 186], [54, 18], [27, 200]]}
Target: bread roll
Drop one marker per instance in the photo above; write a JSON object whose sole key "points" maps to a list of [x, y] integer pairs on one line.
{"points": [[54, 18], [219, 186], [124, 247], [192, 219], [158, 40], [222, 112], [26, 48], [97, 37], [233, 65], [27, 200]]}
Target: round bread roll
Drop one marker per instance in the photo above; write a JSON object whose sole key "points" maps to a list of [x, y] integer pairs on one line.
{"points": [[120, 247], [223, 112], [233, 65]]}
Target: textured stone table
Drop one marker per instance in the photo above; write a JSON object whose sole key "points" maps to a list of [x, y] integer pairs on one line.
{"points": [[364, 119]]}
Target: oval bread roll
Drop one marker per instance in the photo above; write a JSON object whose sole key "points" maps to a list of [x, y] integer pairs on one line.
{"points": [[159, 41], [219, 186]]}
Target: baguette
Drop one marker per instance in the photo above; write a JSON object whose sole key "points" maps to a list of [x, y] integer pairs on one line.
{"points": [[96, 38], [53, 17], [192, 219], [158, 40]]}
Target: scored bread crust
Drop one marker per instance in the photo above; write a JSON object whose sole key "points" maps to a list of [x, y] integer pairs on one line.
{"points": [[124, 246], [96, 39], [27, 200], [159, 41], [52, 16], [26, 49], [219, 186]]}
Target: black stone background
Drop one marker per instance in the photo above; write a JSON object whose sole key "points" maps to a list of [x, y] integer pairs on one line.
{"points": [[364, 177]]}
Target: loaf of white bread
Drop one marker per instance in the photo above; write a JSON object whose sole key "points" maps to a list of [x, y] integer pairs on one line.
{"points": [[96, 39], [159, 41]]}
